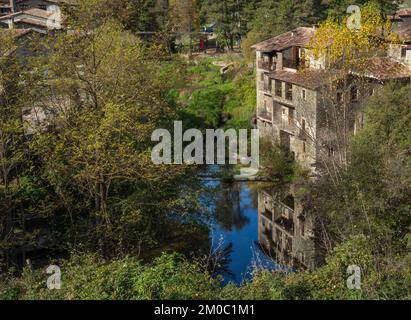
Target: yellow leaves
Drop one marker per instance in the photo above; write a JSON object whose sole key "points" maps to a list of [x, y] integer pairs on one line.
{"points": [[346, 48]]}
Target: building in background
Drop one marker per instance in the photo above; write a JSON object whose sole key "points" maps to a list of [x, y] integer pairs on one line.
{"points": [[295, 100], [6, 7]]}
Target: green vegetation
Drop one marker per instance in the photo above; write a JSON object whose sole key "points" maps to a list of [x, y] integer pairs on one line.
{"points": [[174, 277], [87, 186], [372, 196], [214, 99]]}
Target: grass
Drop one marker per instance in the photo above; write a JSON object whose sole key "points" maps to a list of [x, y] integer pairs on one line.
{"points": [[213, 100]]}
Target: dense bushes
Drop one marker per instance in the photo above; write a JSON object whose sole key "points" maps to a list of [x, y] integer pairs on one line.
{"points": [[213, 100], [173, 277]]}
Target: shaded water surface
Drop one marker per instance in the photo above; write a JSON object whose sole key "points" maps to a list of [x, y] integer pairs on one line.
{"points": [[254, 227]]}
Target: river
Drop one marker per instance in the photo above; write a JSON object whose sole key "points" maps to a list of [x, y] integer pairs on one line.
{"points": [[256, 227]]}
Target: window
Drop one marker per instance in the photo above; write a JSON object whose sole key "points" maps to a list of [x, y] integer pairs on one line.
{"points": [[403, 52], [304, 147], [278, 88], [267, 83], [291, 58], [303, 124], [262, 76], [290, 117], [304, 94], [354, 94], [289, 91], [42, 7]]}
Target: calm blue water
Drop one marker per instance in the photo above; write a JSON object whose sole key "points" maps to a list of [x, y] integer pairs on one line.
{"points": [[235, 231]]}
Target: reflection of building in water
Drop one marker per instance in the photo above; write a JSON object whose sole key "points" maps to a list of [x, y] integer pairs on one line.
{"points": [[286, 232]]}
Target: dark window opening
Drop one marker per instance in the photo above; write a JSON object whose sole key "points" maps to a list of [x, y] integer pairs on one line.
{"points": [[278, 88], [289, 91], [403, 52], [354, 94], [291, 58]]}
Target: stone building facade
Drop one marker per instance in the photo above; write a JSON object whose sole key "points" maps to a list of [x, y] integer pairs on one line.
{"points": [[298, 100], [297, 96]]}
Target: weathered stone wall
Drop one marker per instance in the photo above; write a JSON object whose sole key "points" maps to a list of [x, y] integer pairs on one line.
{"points": [[394, 51]]}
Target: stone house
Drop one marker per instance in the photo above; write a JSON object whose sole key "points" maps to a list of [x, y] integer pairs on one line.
{"points": [[401, 22], [35, 19], [297, 97]]}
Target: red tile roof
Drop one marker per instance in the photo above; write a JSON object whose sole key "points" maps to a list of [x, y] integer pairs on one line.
{"points": [[404, 32], [384, 68], [400, 14], [33, 22], [308, 78], [37, 13], [404, 12], [300, 37]]}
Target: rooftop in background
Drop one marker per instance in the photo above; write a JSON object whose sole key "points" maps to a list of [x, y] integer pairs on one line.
{"points": [[404, 12], [385, 68], [299, 37], [37, 19], [400, 14], [32, 12], [402, 24]]}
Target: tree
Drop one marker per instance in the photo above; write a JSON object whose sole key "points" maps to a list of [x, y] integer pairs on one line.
{"points": [[185, 18], [371, 197], [105, 92], [337, 9], [345, 53], [230, 17], [275, 17], [135, 15]]}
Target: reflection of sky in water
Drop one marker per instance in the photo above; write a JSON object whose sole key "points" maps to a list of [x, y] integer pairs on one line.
{"points": [[243, 235]]}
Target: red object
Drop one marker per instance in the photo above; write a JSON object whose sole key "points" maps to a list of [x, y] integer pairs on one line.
{"points": [[202, 44]]}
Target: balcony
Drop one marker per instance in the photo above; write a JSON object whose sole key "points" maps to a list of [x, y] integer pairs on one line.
{"points": [[286, 225], [265, 115], [267, 86], [268, 66], [267, 214], [287, 126]]}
